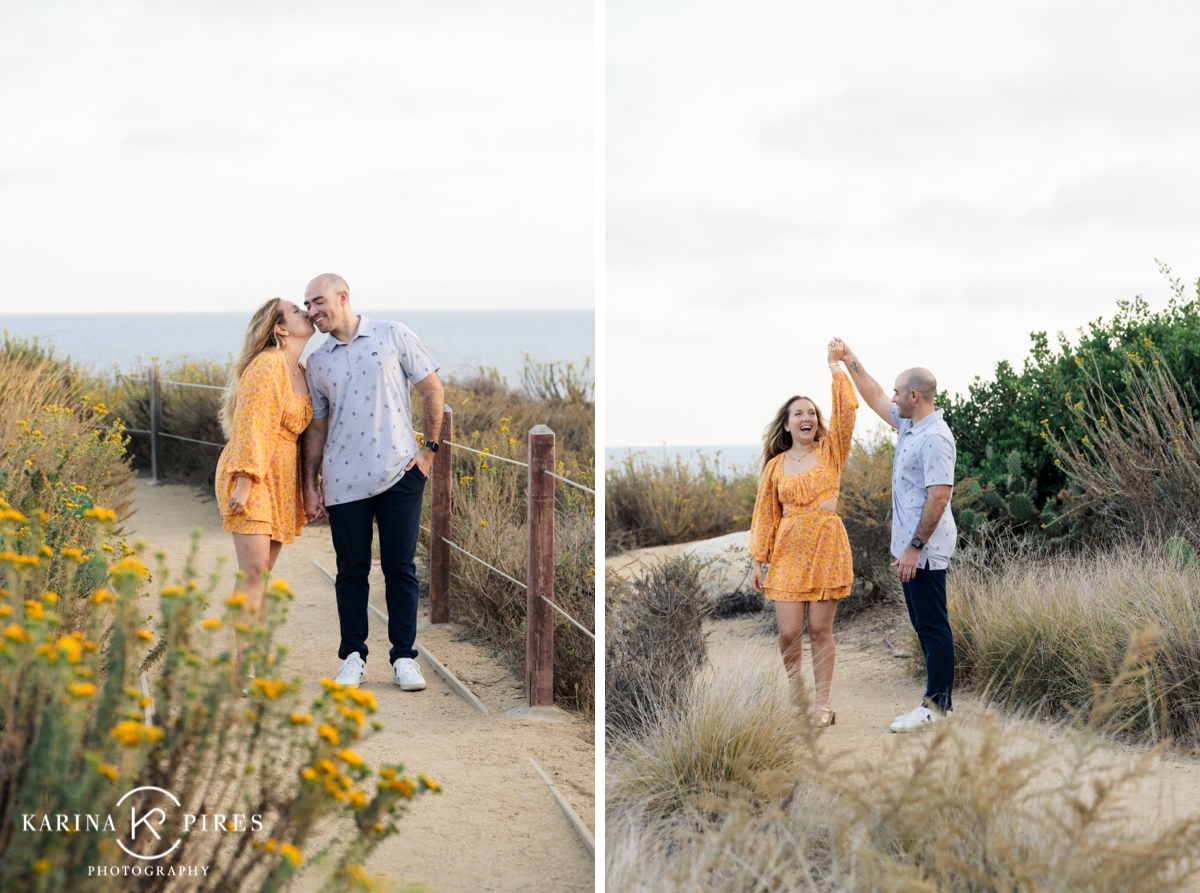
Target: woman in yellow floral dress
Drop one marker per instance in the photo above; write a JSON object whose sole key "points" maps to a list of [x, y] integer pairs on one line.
{"points": [[266, 408], [796, 530]]}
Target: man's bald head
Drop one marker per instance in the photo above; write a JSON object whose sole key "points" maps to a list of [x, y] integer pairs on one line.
{"points": [[328, 284], [918, 379]]}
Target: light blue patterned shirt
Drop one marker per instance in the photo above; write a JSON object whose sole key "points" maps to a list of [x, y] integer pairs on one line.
{"points": [[925, 455], [363, 387]]}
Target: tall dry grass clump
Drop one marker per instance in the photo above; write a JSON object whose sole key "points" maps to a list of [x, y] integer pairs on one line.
{"points": [[1136, 469], [1038, 630], [730, 735], [655, 643], [656, 501], [489, 515], [981, 803]]}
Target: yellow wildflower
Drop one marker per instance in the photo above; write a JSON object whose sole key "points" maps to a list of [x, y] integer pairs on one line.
{"points": [[82, 689], [100, 513], [133, 734], [109, 770], [429, 783], [309, 773], [290, 853], [212, 623], [300, 718], [145, 635], [329, 733], [17, 633], [349, 757]]}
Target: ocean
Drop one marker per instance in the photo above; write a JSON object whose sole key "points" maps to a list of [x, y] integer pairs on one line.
{"points": [[460, 340]]}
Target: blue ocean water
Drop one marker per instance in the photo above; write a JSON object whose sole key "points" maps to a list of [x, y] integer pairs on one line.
{"points": [[460, 340]]}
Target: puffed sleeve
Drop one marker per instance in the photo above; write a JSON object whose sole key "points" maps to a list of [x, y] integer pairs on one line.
{"points": [[767, 514], [841, 423], [257, 417]]}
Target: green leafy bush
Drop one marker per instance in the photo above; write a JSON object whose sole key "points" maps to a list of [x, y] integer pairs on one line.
{"points": [[1005, 427]]}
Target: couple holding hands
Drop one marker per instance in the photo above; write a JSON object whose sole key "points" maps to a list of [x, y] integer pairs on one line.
{"points": [[798, 535], [347, 416]]}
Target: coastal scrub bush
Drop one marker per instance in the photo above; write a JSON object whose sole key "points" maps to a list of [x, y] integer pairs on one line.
{"points": [[657, 501], [983, 803], [79, 732], [654, 642], [1016, 411]]}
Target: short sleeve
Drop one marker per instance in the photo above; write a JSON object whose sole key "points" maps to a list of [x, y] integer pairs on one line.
{"points": [[256, 418], [937, 460], [415, 359], [841, 423], [320, 400], [767, 513]]}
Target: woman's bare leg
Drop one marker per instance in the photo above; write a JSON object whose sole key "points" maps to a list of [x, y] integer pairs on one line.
{"points": [[790, 618], [820, 637], [272, 557], [254, 561]]}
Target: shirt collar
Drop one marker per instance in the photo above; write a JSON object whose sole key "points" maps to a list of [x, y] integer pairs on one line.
{"points": [[363, 330], [933, 417]]}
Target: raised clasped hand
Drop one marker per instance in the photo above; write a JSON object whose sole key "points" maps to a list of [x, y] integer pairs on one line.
{"points": [[837, 350]]}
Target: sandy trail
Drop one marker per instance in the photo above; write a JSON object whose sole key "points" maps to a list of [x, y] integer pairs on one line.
{"points": [[496, 826], [871, 687]]}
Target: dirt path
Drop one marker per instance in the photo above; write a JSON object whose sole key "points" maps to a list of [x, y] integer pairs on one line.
{"points": [[871, 687], [496, 826]]}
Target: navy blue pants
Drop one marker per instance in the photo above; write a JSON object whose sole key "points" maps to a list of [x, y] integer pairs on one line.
{"points": [[397, 511], [925, 596]]}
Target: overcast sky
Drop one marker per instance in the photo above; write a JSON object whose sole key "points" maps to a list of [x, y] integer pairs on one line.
{"points": [[208, 155], [929, 180]]}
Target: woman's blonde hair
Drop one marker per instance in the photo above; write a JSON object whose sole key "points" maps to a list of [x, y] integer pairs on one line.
{"points": [[260, 336], [777, 439]]}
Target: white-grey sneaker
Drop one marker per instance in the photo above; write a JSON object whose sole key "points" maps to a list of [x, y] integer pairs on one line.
{"points": [[353, 671], [407, 675], [918, 719]]}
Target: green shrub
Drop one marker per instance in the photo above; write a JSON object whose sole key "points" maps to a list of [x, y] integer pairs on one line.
{"points": [[1015, 413], [77, 734]]}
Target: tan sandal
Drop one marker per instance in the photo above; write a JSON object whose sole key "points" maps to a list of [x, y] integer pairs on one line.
{"points": [[823, 718]]}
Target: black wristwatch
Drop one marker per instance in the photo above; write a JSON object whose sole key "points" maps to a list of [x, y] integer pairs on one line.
{"points": [[432, 446], [916, 544]]}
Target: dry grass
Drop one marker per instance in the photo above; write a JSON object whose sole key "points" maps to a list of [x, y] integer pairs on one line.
{"points": [[1136, 471], [655, 643], [1038, 631], [981, 803], [656, 501]]}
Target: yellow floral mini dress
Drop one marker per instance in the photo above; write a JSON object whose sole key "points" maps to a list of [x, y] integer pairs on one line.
{"points": [[807, 548], [267, 423]]}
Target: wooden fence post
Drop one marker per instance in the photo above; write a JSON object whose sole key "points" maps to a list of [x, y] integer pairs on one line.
{"points": [[539, 627], [439, 525], [157, 469]]}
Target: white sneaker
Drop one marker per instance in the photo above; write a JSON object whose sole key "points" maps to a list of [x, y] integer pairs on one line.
{"points": [[353, 671], [407, 675], [918, 719]]}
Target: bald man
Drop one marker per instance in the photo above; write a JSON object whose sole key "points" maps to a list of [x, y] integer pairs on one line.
{"points": [[923, 531], [372, 473]]}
